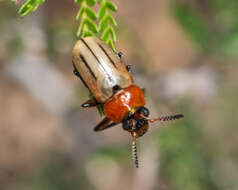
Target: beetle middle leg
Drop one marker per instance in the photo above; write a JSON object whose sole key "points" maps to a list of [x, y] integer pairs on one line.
{"points": [[90, 103], [120, 55], [128, 68], [75, 71]]}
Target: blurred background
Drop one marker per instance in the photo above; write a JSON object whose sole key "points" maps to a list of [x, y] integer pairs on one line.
{"points": [[184, 52]]}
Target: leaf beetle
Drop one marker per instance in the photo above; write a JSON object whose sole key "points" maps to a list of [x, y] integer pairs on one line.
{"points": [[111, 85]]}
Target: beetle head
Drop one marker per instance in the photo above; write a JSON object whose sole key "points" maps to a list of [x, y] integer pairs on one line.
{"points": [[138, 123]]}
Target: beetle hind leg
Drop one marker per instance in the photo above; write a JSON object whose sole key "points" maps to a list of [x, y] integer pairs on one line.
{"points": [[104, 124]]}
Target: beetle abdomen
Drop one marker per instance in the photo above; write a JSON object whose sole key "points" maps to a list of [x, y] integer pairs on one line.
{"points": [[99, 68]]}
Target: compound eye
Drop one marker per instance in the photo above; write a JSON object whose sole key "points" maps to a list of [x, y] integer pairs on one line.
{"points": [[144, 111], [127, 125]]}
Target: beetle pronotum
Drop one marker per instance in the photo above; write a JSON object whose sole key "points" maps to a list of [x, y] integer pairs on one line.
{"points": [[110, 83]]}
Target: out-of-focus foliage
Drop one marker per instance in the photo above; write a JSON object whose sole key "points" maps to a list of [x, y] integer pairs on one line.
{"points": [[14, 42], [192, 23], [213, 25], [185, 156], [58, 173]]}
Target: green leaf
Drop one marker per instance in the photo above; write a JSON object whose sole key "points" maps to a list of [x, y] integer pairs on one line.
{"points": [[113, 33], [80, 13], [111, 6], [91, 14], [26, 7], [36, 4], [109, 32], [112, 20], [29, 5], [103, 23], [91, 25], [105, 35], [102, 12], [111, 44], [91, 2], [78, 1], [86, 34], [80, 29]]}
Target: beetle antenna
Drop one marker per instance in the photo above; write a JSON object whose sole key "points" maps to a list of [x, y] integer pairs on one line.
{"points": [[166, 118], [134, 150]]}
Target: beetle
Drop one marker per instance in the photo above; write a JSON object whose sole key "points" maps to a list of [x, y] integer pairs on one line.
{"points": [[109, 81]]}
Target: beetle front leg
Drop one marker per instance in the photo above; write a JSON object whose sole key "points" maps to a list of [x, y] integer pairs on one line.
{"points": [[120, 54]]}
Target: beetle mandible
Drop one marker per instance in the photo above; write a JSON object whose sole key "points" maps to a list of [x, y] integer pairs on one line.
{"points": [[111, 85]]}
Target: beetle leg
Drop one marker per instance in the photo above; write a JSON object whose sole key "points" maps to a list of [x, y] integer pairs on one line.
{"points": [[75, 71], [90, 103], [104, 124], [143, 90], [116, 88], [120, 54], [128, 68]]}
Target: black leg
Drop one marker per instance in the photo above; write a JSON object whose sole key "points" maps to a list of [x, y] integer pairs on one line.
{"points": [[128, 67], [90, 103], [116, 88], [75, 71], [143, 90], [104, 124], [120, 54]]}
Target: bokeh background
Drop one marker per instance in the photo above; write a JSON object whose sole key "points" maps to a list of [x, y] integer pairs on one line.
{"points": [[184, 52]]}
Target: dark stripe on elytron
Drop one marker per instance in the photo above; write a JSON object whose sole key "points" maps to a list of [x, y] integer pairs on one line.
{"points": [[108, 75], [107, 55], [90, 49], [81, 78], [86, 64]]}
